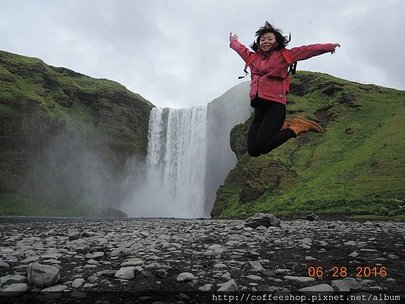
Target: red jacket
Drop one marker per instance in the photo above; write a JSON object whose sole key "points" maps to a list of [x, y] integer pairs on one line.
{"points": [[268, 73]]}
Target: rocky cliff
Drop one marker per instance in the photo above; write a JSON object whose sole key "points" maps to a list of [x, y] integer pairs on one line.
{"points": [[65, 137], [223, 113], [356, 166]]}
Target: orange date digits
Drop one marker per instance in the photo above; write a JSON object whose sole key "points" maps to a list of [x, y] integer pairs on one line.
{"points": [[316, 272], [339, 272], [367, 272], [343, 272]]}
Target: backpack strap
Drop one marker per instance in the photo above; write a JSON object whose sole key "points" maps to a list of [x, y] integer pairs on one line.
{"points": [[287, 56], [250, 59], [292, 68]]}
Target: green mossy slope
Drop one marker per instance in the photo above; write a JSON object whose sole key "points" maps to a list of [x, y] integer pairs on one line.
{"points": [[55, 122], [356, 167]]}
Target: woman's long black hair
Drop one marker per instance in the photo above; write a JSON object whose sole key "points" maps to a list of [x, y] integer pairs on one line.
{"points": [[282, 41]]}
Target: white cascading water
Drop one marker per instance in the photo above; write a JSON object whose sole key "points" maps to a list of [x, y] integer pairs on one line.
{"points": [[188, 158], [177, 160]]}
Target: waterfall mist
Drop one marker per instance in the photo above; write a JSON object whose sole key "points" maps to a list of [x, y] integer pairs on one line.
{"points": [[70, 174], [188, 158], [173, 184]]}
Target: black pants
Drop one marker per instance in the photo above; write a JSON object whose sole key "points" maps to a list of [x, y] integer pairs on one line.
{"points": [[264, 133]]}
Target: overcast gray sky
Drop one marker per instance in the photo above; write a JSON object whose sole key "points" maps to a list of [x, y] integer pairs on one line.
{"points": [[176, 53]]}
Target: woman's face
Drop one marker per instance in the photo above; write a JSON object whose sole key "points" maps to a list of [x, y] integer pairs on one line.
{"points": [[267, 42]]}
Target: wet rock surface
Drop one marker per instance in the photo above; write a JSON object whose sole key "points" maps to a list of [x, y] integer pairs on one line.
{"points": [[210, 256]]}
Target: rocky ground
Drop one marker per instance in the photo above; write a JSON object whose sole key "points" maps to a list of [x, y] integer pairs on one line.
{"points": [[200, 261]]}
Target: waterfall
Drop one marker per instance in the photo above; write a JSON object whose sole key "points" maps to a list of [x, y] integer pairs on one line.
{"points": [[188, 158], [176, 161]]}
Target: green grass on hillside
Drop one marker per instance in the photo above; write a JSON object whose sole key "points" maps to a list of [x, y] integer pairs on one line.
{"points": [[355, 167], [43, 106]]}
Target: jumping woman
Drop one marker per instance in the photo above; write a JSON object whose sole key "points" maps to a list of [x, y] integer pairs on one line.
{"points": [[269, 65]]}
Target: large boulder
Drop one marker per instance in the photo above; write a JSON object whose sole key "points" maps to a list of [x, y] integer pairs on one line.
{"points": [[42, 276], [262, 219]]}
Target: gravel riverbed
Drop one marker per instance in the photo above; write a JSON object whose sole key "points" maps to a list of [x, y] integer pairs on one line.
{"points": [[197, 260]]}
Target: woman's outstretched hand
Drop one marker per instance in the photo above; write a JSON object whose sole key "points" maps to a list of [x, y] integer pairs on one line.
{"points": [[232, 37], [335, 45]]}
